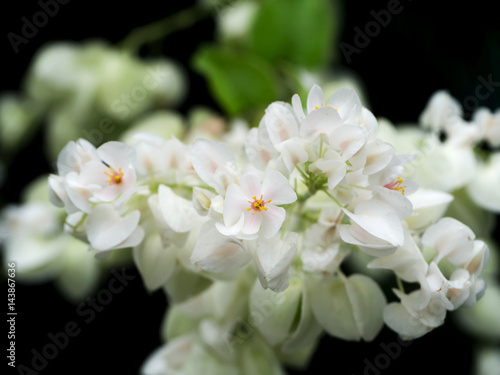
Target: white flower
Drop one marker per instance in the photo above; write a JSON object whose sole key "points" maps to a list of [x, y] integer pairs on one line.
{"points": [[88, 175], [407, 262], [217, 253], [251, 208], [464, 289], [483, 187], [281, 123], [444, 167], [259, 149], [441, 111], [178, 212], [215, 164], [170, 358], [456, 242], [108, 230], [428, 206], [350, 309], [166, 160], [422, 310], [29, 236], [488, 124], [155, 262], [273, 258], [375, 227], [462, 133]]}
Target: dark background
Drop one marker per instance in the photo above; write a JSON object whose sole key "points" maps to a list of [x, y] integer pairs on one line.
{"points": [[423, 49]]}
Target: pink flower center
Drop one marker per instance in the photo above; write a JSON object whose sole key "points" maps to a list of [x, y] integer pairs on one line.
{"points": [[257, 205], [115, 178], [396, 185]]}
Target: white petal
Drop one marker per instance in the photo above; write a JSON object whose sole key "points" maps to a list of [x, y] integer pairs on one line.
{"points": [[277, 188], [334, 167], [378, 155], [292, 153], [134, 239], [273, 258], [208, 156], [332, 308], [369, 244], [259, 152], [57, 193], [250, 185], [315, 98], [406, 262], [106, 228], [178, 212], [281, 123], [379, 220], [320, 121], [272, 219], [451, 239], [398, 201], [369, 122], [217, 253], [483, 188], [347, 103], [79, 195], [253, 221], [400, 321], [368, 302], [278, 310], [428, 206], [297, 107], [116, 154], [235, 204], [441, 109], [169, 358], [308, 329], [155, 262], [349, 139]]}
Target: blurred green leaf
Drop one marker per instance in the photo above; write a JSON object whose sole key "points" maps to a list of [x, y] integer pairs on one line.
{"points": [[300, 31], [238, 80]]}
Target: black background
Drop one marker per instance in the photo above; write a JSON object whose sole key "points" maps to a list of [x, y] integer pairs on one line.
{"points": [[423, 49]]}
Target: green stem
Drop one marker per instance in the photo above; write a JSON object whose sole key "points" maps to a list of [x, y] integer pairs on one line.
{"points": [[75, 227], [285, 226], [163, 27], [400, 284], [333, 198]]}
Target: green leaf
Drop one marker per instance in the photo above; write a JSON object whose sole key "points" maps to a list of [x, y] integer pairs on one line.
{"points": [[238, 80], [304, 32]]}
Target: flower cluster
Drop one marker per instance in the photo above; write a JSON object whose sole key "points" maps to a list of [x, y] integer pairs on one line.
{"points": [[271, 231]]}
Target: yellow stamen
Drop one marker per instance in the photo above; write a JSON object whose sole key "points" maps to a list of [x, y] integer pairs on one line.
{"points": [[257, 205], [115, 178]]}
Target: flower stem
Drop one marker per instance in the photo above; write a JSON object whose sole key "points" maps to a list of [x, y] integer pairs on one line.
{"points": [[163, 27], [333, 198], [400, 284]]}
